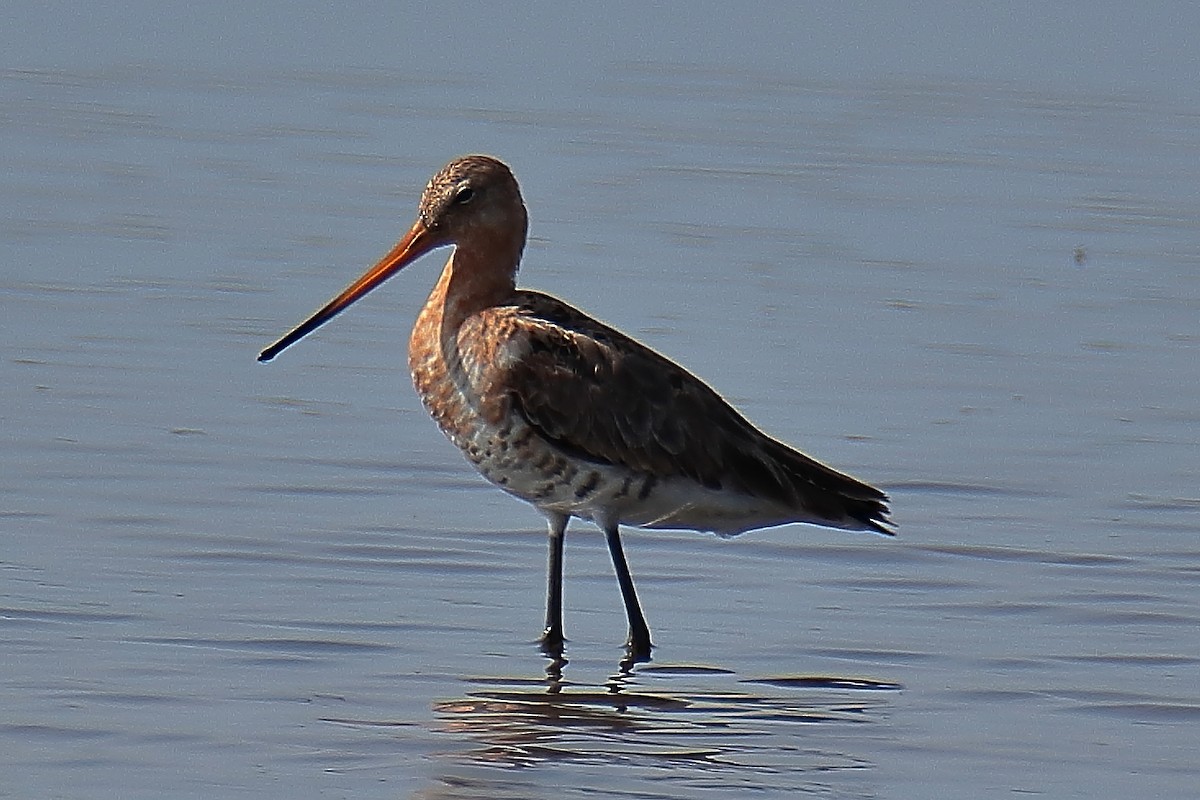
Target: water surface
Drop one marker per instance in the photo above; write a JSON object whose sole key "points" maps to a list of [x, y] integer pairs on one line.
{"points": [[224, 579]]}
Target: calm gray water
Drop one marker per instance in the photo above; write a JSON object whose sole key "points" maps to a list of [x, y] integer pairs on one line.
{"points": [[965, 273]]}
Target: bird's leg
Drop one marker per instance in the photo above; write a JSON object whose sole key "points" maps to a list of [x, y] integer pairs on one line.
{"points": [[552, 637], [638, 643]]}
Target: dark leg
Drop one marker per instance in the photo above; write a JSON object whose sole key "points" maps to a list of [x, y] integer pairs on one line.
{"points": [[552, 637], [638, 643]]}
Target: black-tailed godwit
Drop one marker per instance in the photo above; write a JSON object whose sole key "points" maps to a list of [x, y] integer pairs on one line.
{"points": [[573, 416]]}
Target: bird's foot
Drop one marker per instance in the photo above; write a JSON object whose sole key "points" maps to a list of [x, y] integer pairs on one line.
{"points": [[551, 642], [638, 646]]}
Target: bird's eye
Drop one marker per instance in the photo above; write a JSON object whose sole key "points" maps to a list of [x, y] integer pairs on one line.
{"points": [[463, 195]]}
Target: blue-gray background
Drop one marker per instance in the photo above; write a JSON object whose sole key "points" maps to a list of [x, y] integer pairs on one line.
{"points": [[951, 250]]}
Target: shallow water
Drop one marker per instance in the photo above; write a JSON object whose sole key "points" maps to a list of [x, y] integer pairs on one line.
{"points": [[225, 579]]}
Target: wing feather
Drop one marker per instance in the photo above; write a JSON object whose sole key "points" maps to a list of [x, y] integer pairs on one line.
{"points": [[601, 396]]}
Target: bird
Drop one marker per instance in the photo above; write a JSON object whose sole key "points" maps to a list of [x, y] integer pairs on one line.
{"points": [[574, 417]]}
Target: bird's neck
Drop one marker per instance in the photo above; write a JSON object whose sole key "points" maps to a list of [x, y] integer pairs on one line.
{"points": [[466, 287], [472, 281]]}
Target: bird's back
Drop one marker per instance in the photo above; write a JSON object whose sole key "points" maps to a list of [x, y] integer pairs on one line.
{"points": [[575, 417]]}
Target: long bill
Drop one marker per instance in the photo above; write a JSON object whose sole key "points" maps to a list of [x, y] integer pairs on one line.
{"points": [[416, 243]]}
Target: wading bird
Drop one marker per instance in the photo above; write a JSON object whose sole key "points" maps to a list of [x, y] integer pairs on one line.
{"points": [[573, 416]]}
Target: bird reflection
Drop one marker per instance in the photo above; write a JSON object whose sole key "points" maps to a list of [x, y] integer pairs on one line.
{"points": [[683, 714], [554, 673], [616, 683]]}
